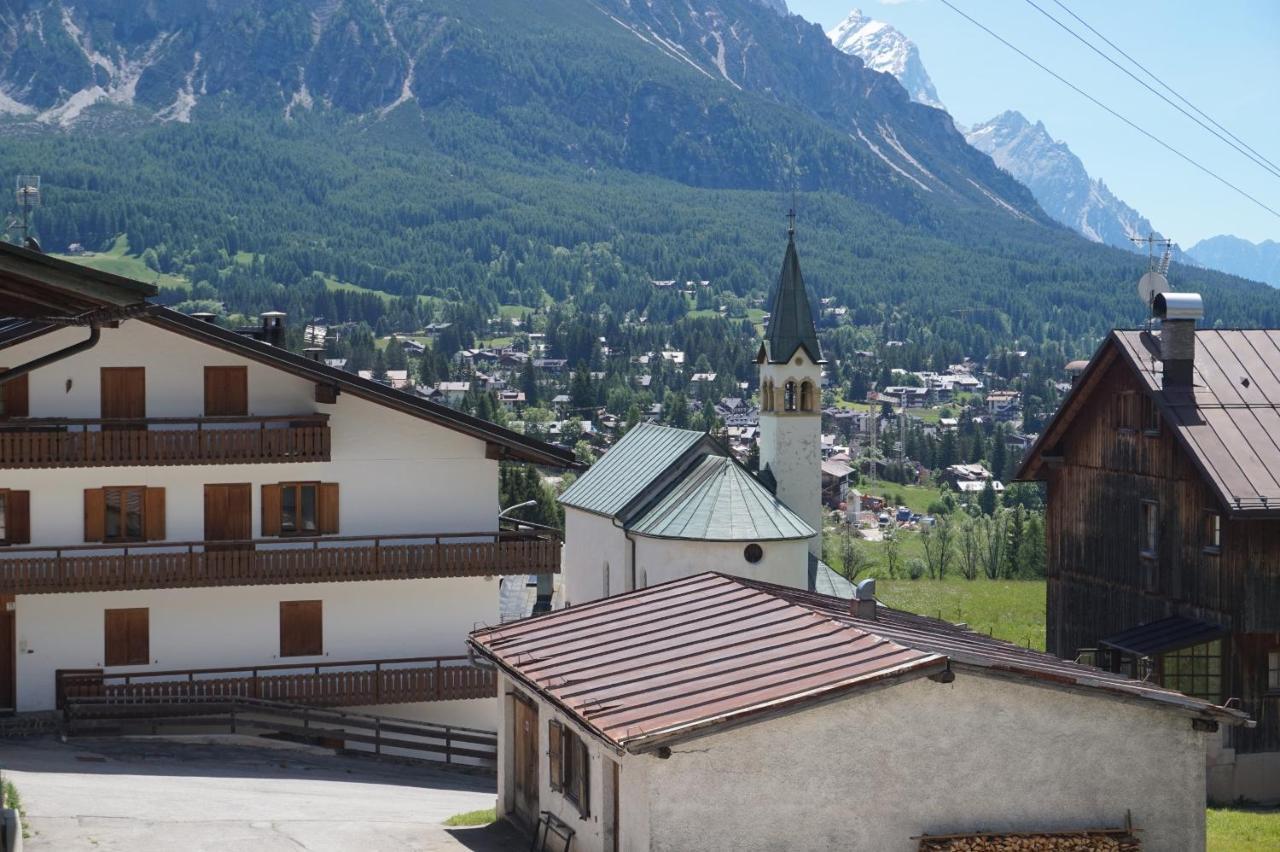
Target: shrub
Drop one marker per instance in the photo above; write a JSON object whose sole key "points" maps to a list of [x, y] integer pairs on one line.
{"points": [[916, 569]]}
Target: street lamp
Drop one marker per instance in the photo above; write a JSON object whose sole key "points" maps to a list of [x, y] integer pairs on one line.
{"points": [[509, 509]]}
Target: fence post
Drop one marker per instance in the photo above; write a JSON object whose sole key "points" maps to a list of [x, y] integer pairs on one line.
{"points": [[439, 679], [233, 716], [377, 683], [377, 735], [448, 744]]}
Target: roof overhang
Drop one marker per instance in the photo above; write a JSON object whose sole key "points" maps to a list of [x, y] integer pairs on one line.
{"points": [[37, 286], [1164, 636]]}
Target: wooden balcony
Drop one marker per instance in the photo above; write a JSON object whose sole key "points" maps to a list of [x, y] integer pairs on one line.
{"points": [[352, 683], [261, 562], [58, 442]]}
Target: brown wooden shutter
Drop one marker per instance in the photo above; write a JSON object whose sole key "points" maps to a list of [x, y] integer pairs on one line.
{"points": [[18, 522], [271, 509], [153, 514], [95, 514], [327, 511], [301, 628], [124, 392], [583, 777], [226, 391], [13, 394], [555, 754], [127, 639]]}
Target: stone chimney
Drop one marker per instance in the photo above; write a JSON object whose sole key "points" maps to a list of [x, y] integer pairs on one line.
{"points": [[273, 327], [1177, 313], [863, 603]]}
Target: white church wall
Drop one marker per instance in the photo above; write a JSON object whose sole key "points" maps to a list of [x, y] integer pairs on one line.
{"points": [[593, 545], [659, 560]]}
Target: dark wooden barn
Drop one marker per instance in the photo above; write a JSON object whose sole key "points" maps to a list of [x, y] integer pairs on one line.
{"points": [[1163, 526]]}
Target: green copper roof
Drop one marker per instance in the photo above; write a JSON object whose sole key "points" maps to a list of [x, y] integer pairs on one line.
{"points": [[718, 500], [629, 468], [790, 319]]}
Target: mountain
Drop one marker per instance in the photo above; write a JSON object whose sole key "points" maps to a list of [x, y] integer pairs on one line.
{"points": [[369, 160], [882, 48], [1256, 261], [1058, 179], [779, 6]]}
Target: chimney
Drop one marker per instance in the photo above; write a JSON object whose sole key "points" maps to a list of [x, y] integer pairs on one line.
{"points": [[204, 316], [315, 353], [863, 604], [1075, 369], [273, 327], [1177, 313]]}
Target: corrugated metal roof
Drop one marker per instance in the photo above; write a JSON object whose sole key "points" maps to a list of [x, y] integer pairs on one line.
{"points": [[698, 651], [719, 501], [631, 466], [1228, 420], [1167, 634], [677, 658]]}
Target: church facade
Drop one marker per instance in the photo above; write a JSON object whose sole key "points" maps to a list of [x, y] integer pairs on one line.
{"points": [[666, 503]]}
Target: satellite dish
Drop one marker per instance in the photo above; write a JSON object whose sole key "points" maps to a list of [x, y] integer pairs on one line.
{"points": [[1150, 285]]}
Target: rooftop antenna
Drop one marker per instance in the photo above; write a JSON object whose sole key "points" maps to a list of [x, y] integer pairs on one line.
{"points": [[1153, 282], [27, 191]]}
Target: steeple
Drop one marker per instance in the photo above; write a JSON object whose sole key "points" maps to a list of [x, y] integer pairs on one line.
{"points": [[790, 319]]}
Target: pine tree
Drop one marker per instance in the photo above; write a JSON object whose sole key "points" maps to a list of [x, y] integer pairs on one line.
{"points": [[529, 383], [987, 498]]}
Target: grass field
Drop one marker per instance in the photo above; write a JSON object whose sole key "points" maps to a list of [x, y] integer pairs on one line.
{"points": [[1240, 830], [1012, 610], [118, 261]]}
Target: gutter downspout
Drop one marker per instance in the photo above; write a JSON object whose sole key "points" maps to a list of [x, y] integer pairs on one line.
{"points": [[629, 578], [44, 360]]}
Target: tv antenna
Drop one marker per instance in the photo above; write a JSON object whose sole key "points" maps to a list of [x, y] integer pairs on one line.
{"points": [[1154, 280], [27, 192]]}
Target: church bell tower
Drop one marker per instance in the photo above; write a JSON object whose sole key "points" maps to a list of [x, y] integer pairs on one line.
{"points": [[790, 363]]}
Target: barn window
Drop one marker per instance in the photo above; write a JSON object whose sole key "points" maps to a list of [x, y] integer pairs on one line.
{"points": [[1122, 411], [569, 766], [1273, 671], [1212, 532], [1196, 671], [1150, 416], [1149, 528]]}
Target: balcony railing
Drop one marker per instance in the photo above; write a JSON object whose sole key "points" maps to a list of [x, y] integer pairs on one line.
{"points": [[61, 442], [259, 562], [352, 683]]}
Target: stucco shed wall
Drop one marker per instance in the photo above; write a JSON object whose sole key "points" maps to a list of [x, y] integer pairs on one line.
{"points": [[980, 753]]}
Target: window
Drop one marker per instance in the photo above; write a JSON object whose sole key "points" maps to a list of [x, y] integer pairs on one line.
{"points": [[300, 508], [128, 637], [226, 391], [806, 396], [753, 553], [301, 628], [13, 397], [569, 766], [121, 513], [1212, 532], [1122, 411], [1273, 671], [1196, 671], [15, 517], [1149, 528], [789, 396], [1150, 416]]}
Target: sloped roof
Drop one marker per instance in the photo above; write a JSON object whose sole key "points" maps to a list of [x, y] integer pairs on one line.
{"points": [[790, 317], [628, 469], [35, 285], [689, 654], [1228, 422], [720, 501], [1168, 634], [678, 658]]}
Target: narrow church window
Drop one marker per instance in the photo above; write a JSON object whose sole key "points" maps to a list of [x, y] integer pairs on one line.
{"points": [[806, 396], [766, 396], [753, 553], [789, 396]]}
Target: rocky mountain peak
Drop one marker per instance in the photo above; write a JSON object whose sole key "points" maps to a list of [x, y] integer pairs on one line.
{"points": [[885, 49]]}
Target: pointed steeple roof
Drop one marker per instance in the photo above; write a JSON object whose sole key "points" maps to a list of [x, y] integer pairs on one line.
{"points": [[790, 319]]}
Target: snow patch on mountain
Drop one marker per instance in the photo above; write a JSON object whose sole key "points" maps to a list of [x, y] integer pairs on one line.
{"points": [[883, 48]]}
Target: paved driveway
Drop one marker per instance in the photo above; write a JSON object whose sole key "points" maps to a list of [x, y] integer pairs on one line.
{"points": [[147, 795]]}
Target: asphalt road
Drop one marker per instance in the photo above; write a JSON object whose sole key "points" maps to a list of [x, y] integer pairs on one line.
{"points": [[146, 795]]}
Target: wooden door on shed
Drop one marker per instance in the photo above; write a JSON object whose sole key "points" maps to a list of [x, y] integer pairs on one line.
{"points": [[525, 770], [228, 516], [124, 393], [8, 654]]}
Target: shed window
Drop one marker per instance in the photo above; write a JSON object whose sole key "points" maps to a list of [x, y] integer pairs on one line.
{"points": [[1150, 416], [1149, 528], [1122, 411], [1196, 671], [1212, 532], [1273, 671], [569, 766]]}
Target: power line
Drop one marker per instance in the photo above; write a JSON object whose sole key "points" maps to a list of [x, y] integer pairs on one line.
{"points": [[1169, 88], [1108, 109], [1256, 159]]}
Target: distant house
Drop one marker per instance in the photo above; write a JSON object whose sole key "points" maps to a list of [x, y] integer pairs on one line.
{"points": [[719, 712], [398, 379], [835, 482], [453, 392], [957, 474], [551, 365]]}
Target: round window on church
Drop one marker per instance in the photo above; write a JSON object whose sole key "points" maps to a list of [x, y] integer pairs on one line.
{"points": [[753, 553], [799, 360]]}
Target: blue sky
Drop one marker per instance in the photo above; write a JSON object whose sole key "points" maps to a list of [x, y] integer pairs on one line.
{"points": [[1224, 57]]}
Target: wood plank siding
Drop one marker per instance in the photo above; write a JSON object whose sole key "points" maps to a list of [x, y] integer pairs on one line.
{"points": [[1099, 581], [57, 442], [170, 565]]}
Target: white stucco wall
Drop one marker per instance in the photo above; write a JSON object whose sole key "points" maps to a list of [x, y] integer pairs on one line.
{"points": [[791, 443], [784, 562], [873, 770], [592, 542], [396, 474]]}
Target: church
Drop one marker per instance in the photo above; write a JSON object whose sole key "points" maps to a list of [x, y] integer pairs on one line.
{"points": [[667, 503]]}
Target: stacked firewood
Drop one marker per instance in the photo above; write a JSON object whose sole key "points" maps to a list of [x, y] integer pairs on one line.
{"points": [[1064, 842]]}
